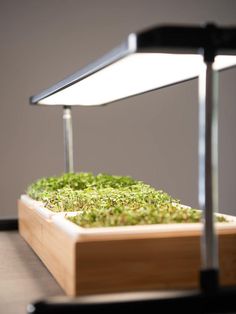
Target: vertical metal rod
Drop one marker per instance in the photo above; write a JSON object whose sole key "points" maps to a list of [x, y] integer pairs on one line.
{"points": [[68, 139], [208, 163]]}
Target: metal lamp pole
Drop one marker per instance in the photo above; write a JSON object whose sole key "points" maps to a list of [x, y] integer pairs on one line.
{"points": [[68, 139], [208, 171]]}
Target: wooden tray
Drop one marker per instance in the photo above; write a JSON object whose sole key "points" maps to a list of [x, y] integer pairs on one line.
{"points": [[117, 259]]}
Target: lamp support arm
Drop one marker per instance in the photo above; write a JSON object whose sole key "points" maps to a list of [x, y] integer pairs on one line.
{"points": [[208, 168], [68, 139]]}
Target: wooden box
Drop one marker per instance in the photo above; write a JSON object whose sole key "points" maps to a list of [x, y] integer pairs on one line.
{"points": [[118, 259]]}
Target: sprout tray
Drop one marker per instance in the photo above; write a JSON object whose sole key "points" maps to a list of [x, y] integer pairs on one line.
{"points": [[113, 259]]}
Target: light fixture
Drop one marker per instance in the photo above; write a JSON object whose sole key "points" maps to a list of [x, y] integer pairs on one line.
{"points": [[149, 60], [145, 61]]}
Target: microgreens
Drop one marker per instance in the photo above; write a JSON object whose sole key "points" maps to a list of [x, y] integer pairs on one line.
{"points": [[108, 200]]}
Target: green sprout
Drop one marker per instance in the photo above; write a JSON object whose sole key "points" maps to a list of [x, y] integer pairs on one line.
{"points": [[106, 200]]}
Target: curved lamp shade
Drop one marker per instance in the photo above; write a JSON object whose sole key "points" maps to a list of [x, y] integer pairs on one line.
{"points": [[146, 61]]}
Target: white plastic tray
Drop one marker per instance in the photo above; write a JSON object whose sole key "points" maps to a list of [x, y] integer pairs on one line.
{"points": [[59, 219]]}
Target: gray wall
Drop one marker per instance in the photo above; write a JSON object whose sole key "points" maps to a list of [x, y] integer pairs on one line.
{"points": [[152, 137]]}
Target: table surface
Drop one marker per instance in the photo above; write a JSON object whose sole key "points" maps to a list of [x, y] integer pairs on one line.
{"points": [[23, 277]]}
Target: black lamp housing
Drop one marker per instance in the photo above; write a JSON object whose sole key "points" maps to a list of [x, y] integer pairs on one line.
{"points": [[208, 41]]}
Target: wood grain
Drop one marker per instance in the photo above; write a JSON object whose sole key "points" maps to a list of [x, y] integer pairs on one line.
{"points": [[54, 248]]}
